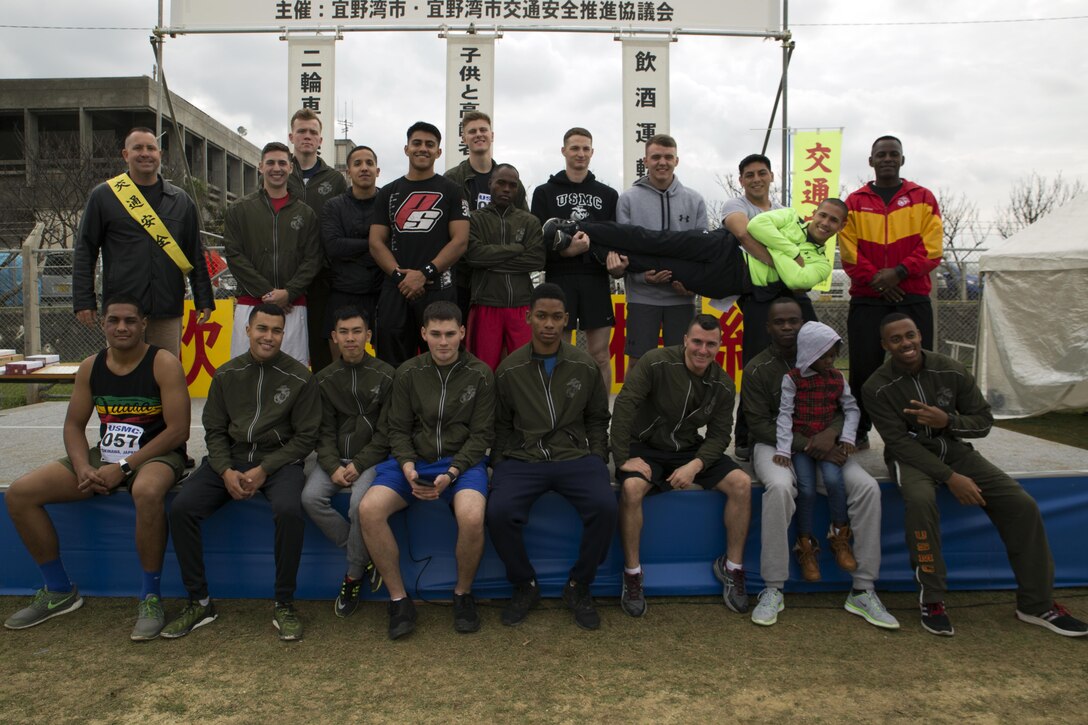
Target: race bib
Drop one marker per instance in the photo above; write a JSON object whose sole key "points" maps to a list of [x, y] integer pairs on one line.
{"points": [[482, 200], [120, 440]]}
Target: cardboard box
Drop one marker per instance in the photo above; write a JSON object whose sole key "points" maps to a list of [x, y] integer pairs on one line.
{"points": [[23, 367], [45, 359]]}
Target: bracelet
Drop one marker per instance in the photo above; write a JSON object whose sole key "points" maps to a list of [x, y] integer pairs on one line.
{"points": [[430, 271], [452, 476]]}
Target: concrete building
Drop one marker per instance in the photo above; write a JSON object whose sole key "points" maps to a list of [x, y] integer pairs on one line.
{"points": [[43, 120]]}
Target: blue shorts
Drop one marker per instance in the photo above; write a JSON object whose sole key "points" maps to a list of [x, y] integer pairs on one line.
{"points": [[388, 473]]}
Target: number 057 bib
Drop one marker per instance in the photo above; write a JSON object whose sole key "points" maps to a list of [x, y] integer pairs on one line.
{"points": [[121, 440]]}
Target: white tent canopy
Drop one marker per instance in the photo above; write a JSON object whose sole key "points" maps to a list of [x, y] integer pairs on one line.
{"points": [[1033, 324]]}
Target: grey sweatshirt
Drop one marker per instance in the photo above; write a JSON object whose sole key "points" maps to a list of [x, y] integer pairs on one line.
{"points": [[677, 208]]}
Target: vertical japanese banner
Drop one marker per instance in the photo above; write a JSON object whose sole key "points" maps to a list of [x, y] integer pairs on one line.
{"points": [[470, 86], [204, 347], [645, 100], [311, 81], [816, 162]]}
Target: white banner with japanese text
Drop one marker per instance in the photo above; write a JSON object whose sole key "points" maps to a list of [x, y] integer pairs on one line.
{"points": [[311, 80], [470, 86], [645, 101], [746, 16]]}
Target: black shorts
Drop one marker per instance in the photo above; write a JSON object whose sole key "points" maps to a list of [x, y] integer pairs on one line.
{"points": [[589, 300], [644, 322], [663, 463]]}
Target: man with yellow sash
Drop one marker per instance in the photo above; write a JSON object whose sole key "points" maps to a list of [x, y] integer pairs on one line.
{"points": [[148, 234]]}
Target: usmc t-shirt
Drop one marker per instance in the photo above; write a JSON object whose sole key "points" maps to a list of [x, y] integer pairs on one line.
{"points": [[418, 214]]}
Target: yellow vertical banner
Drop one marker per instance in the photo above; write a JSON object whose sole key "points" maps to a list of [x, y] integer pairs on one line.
{"points": [[817, 156], [205, 346]]}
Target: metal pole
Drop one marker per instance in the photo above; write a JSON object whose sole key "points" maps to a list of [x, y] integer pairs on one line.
{"points": [[158, 72], [787, 51]]}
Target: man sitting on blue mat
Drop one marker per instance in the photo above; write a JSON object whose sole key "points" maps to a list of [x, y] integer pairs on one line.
{"points": [[143, 407]]}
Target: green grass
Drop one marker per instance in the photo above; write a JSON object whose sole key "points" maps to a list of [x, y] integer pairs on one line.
{"points": [[1070, 429]]}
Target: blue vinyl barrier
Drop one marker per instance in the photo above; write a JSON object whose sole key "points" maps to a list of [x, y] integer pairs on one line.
{"points": [[683, 533]]}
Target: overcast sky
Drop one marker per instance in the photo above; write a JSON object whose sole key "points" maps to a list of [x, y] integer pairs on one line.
{"points": [[977, 105]]}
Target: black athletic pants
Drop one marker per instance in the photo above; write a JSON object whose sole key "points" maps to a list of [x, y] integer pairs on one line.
{"points": [[710, 264], [397, 337], [203, 493], [863, 341]]}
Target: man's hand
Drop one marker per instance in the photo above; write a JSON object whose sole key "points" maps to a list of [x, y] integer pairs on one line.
{"points": [[203, 315], [781, 460], [639, 466], [927, 415], [800, 260], [848, 449], [821, 444], [655, 276], [965, 490], [277, 297], [616, 264], [339, 477], [412, 286], [253, 479], [88, 317], [111, 476], [893, 294], [684, 476], [681, 289], [579, 244], [90, 479], [351, 473], [885, 280], [232, 479]]}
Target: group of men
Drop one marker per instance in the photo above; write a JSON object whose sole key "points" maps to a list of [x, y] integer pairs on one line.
{"points": [[426, 419]]}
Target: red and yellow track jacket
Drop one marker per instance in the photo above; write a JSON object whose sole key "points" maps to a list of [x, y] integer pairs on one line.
{"points": [[906, 232]]}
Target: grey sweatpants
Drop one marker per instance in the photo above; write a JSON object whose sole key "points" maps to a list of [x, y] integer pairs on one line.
{"points": [[779, 491], [345, 533]]}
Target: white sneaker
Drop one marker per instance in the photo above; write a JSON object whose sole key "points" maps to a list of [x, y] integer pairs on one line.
{"points": [[770, 604], [868, 606]]}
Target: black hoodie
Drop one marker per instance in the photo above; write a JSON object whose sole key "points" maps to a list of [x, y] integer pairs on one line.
{"points": [[561, 197]]}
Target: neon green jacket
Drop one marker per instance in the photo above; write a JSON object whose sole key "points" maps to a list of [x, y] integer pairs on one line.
{"points": [[785, 236]]}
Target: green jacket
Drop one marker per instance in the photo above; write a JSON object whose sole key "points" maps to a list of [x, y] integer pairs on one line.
{"points": [[463, 174], [267, 251], [352, 406], [503, 248], [761, 388], [559, 418], [261, 413], [327, 183], [434, 413], [663, 405], [785, 236], [942, 382]]}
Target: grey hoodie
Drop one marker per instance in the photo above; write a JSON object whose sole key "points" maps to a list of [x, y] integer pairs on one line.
{"points": [[813, 340], [677, 208]]}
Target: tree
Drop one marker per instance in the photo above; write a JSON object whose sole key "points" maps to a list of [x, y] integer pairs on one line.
{"points": [[964, 235], [1031, 199]]}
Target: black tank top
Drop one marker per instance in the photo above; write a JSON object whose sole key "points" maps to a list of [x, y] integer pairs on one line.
{"points": [[129, 406]]}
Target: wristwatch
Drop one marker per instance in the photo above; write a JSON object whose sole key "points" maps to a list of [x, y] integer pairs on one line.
{"points": [[125, 468], [452, 476]]}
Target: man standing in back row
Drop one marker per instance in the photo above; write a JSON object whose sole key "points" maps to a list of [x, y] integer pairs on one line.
{"points": [[575, 194], [419, 231], [892, 240]]}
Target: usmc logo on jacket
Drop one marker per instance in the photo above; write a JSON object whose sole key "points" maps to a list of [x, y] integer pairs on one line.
{"points": [[282, 394]]}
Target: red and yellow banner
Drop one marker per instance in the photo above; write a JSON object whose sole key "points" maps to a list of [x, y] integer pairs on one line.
{"points": [[204, 347], [817, 156]]}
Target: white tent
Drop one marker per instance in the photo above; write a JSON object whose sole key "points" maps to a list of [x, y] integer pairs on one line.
{"points": [[1033, 324]]}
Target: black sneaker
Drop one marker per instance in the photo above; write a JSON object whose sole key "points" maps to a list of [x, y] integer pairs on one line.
{"points": [[577, 598], [742, 453], [347, 601], [734, 592], [632, 599], [935, 620], [402, 618], [466, 619], [526, 596], [372, 575], [558, 233], [1057, 619]]}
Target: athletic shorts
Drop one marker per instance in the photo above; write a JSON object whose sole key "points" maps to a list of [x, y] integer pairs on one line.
{"points": [[174, 459], [645, 321], [388, 473], [663, 463], [589, 300]]}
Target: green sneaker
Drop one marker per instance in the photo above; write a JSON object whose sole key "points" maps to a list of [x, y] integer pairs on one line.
{"points": [[46, 605], [374, 576], [286, 620], [149, 619], [194, 615]]}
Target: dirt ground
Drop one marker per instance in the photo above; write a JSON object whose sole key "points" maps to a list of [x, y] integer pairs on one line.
{"points": [[688, 660]]}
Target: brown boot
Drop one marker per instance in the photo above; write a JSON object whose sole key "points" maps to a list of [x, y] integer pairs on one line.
{"points": [[840, 544], [807, 550]]}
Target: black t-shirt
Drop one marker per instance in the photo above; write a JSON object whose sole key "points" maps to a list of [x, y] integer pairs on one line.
{"points": [[418, 214], [153, 193], [480, 188], [886, 192]]}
